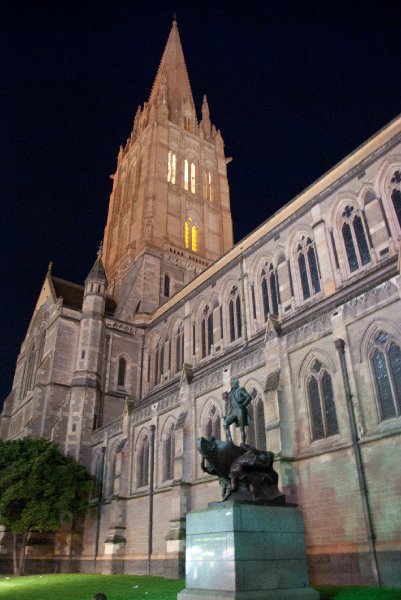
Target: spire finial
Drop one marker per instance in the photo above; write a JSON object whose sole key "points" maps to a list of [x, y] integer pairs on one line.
{"points": [[100, 250], [174, 18], [50, 267]]}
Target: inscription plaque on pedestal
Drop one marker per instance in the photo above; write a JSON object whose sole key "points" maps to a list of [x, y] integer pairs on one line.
{"points": [[245, 552]]}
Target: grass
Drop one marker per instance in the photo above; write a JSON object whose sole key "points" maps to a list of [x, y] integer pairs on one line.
{"points": [[132, 587], [83, 587]]}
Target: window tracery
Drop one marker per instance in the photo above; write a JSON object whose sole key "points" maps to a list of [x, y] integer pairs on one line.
{"points": [[322, 410], [308, 267], [386, 363], [270, 290], [234, 314], [212, 426], [354, 238]]}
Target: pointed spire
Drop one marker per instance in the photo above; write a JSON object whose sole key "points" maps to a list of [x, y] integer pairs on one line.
{"points": [[172, 81], [206, 124]]}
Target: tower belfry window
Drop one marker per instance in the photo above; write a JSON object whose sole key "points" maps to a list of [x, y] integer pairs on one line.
{"points": [[193, 179], [189, 176], [191, 235], [208, 186], [171, 167]]}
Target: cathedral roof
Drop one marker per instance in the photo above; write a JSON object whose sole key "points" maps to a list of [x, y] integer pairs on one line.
{"points": [[73, 295], [173, 75]]}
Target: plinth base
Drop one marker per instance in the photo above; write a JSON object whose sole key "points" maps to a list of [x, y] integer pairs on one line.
{"points": [[246, 552]]}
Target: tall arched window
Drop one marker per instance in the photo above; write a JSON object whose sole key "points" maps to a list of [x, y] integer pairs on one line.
{"points": [[166, 285], [168, 454], [206, 332], [322, 408], [193, 178], [171, 167], [307, 267], [396, 194], [191, 235], [179, 348], [98, 487], [212, 426], [270, 290], [29, 371], [159, 363], [386, 363], [189, 176], [208, 186], [143, 463], [354, 238], [122, 367], [234, 314]]}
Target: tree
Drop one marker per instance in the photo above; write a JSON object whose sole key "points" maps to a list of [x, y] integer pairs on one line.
{"points": [[39, 488]]}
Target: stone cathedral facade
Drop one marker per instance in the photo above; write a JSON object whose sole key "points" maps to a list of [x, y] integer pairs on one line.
{"points": [[128, 370]]}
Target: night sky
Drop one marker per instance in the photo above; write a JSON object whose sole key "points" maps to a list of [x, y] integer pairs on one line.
{"points": [[293, 87]]}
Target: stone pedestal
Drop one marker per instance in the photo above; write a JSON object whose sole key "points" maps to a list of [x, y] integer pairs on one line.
{"points": [[246, 552]]}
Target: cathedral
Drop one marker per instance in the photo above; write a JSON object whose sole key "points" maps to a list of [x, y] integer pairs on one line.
{"points": [[128, 370]]}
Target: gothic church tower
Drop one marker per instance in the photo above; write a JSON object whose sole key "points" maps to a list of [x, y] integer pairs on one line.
{"points": [[169, 215]]}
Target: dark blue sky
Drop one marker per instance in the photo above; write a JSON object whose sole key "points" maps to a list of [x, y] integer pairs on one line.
{"points": [[293, 87]]}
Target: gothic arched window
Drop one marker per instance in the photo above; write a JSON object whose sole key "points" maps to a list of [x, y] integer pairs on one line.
{"points": [[122, 367], [212, 426], [189, 176], [191, 235], [143, 463], [171, 167], [270, 293], [208, 186], [179, 348], [168, 454], [386, 363], [234, 314], [396, 194], [308, 268], [97, 491], [322, 408], [354, 238], [159, 363], [206, 332]]}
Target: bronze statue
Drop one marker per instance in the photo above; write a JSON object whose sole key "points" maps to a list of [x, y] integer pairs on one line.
{"points": [[238, 400], [245, 474]]}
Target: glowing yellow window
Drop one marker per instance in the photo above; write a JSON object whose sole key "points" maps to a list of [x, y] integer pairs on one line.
{"points": [[194, 238], [186, 233]]}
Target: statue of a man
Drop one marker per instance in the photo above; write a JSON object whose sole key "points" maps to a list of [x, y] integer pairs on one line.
{"points": [[238, 400]]}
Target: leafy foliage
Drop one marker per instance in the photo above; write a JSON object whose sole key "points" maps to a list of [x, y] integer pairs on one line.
{"points": [[39, 486]]}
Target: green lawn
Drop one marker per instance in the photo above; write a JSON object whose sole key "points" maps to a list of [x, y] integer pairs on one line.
{"points": [[131, 587]]}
